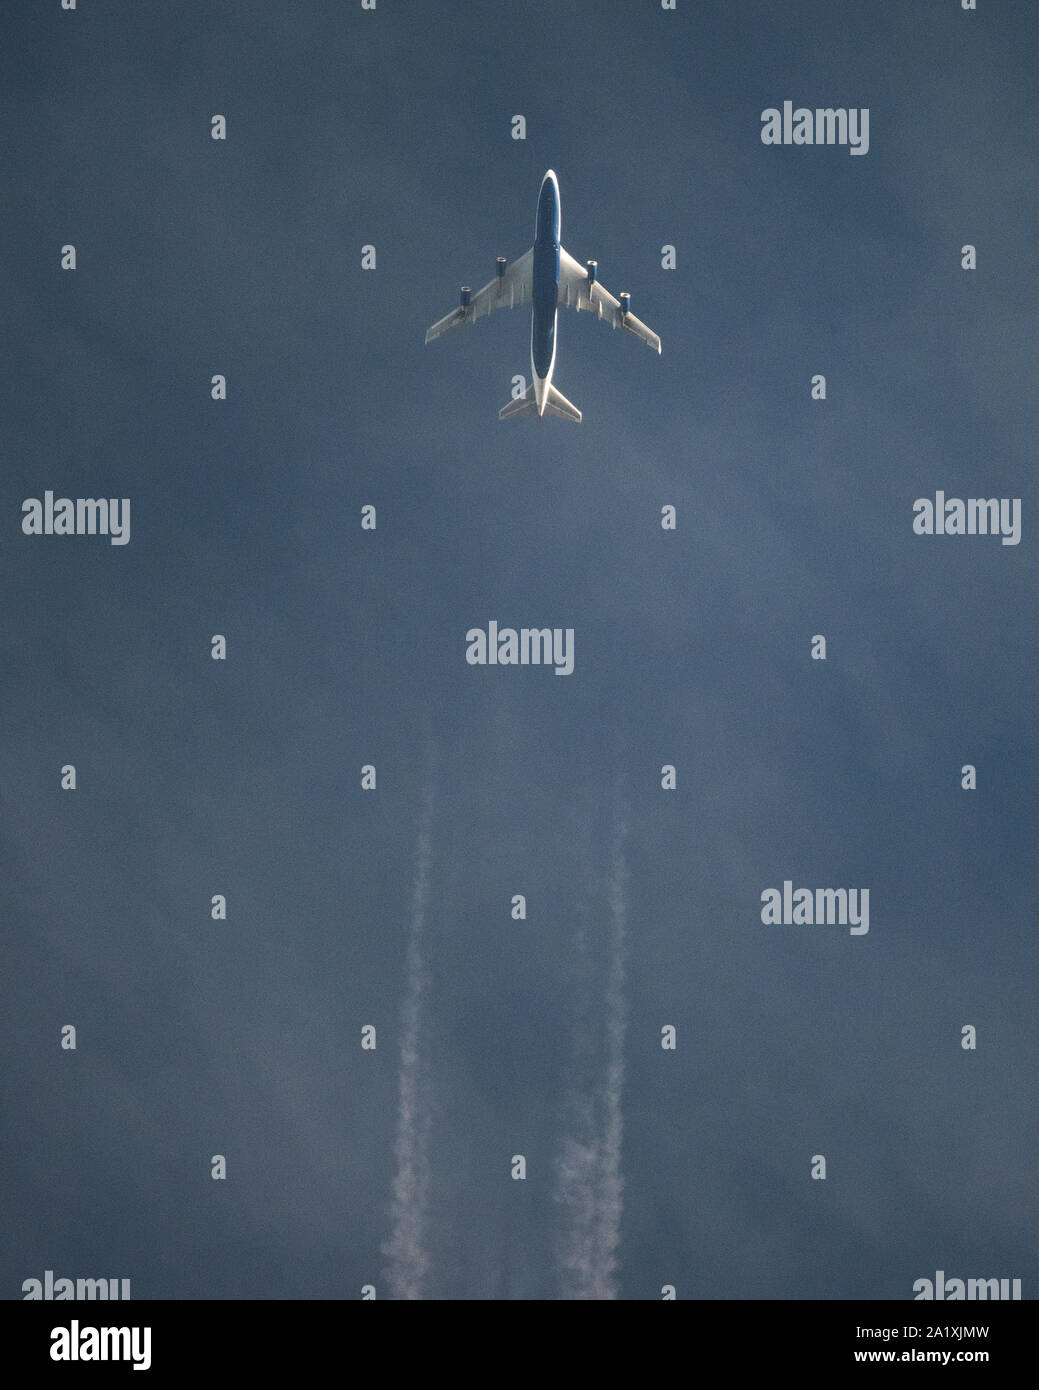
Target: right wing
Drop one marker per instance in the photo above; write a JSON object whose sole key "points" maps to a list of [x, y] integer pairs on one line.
{"points": [[503, 292]]}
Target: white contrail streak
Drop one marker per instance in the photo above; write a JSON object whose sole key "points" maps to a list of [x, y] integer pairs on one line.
{"points": [[611, 1188], [590, 1181], [577, 1164], [406, 1250]]}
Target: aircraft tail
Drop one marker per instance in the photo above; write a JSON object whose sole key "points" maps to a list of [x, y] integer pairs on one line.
{"points": [[522, 405], [557, 404]]}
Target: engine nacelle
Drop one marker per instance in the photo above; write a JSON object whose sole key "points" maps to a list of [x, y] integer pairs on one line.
{"points": [[593, 271], [501, 264], [625, 300], [463, 297]]}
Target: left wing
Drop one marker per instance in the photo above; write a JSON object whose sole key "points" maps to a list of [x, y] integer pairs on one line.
{"points": [[505, 291], [577, 292]]}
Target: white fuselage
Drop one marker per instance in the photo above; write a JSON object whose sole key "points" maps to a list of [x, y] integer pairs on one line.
{"points": [[544, 311]]}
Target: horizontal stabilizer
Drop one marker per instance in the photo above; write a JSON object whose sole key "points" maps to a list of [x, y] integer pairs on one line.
{"points": [[527, 404], [523, 405], [557, 404]]}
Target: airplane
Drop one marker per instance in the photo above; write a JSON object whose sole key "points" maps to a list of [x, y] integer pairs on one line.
{"points": [[547, 276]]}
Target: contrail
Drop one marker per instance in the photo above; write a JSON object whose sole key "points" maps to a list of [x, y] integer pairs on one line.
{"points": [[578, 1162], [406, 1250], [590, 1181], [611, 1198]]}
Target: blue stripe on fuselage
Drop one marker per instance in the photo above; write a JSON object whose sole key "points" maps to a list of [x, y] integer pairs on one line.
{"points": [[546, 278]]}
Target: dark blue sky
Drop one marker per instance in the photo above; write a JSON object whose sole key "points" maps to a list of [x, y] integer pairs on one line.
{"points": [[242, 777]]}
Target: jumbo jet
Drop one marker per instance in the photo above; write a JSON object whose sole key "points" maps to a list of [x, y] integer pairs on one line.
{"points": [[547, 276]]}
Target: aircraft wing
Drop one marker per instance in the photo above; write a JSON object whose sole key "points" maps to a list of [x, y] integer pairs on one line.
{"points": [[503, 292], [575, 292]]}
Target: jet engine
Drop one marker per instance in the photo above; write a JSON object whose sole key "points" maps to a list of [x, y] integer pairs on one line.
{"points": [[593, 271], [463, 297], [625, 300], [501, 264]]}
